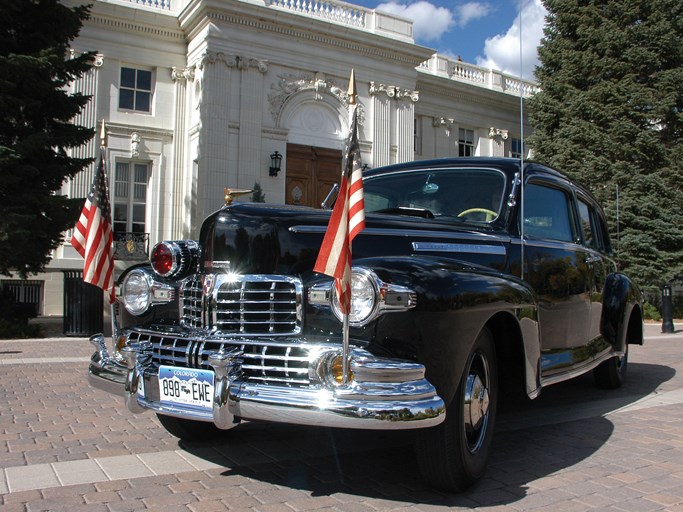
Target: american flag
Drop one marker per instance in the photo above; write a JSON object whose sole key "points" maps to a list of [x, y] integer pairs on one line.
{"points": [[347, 220], [93, 235]]}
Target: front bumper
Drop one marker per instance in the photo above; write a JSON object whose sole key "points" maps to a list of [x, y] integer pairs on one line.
{"points": [[385, 394]]}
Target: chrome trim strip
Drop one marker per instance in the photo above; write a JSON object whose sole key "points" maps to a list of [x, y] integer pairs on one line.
{"points": [[411, 233], [579, 370], [466, 248]]}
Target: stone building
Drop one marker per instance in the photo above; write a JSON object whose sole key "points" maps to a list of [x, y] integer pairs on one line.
{"points": [[198, 95]]}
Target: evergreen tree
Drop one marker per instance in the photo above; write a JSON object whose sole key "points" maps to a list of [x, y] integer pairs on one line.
{"points": [[37, 130], [610, 115]]}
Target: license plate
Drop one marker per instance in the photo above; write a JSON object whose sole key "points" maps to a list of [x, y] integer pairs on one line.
{"points": [[186, 386]]}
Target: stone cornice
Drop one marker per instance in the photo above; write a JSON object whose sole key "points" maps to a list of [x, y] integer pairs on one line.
{"points": [[147, 29], [304, 29], [118, 129]]}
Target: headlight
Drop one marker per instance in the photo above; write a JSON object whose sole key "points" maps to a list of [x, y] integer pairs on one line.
{"points": [[364, 296], [137, 292]]}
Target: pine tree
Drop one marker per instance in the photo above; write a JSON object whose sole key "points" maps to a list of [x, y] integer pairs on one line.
{"points": [[36, 132], [610, 115]]}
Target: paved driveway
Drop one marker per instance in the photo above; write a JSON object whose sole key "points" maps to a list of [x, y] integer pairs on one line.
{"points": [[66, 446]]}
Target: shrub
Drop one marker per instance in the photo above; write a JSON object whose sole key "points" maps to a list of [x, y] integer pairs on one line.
{"points": [[650, 312]]}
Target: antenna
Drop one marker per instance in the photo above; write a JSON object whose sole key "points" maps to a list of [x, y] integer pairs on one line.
{"points": [[618, 239], [521, 146]]}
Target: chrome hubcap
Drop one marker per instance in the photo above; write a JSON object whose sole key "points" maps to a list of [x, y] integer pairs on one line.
{"points": [[476, 402]]}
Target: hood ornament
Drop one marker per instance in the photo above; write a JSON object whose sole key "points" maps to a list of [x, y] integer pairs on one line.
{"points": [[232, 193]]}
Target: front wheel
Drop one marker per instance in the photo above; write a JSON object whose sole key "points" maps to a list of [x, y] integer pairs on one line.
{"points": [[453, 455], [189, 430], [611, 373]]}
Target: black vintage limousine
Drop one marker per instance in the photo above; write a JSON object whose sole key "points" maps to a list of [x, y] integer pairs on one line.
{"points": [[472, 275]]}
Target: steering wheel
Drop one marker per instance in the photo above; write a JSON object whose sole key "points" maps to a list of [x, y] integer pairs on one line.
{"points": [[490, 214]]}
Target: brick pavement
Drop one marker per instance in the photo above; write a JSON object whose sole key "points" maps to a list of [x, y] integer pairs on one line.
{"points": [[66, 446]]}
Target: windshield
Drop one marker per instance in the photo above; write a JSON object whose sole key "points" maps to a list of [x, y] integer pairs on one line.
{"points": [[466, 194]]}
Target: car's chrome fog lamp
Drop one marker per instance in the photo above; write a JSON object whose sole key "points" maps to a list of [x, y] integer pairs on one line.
{"points": [[328, 370], [335, 371], [364, 297]]}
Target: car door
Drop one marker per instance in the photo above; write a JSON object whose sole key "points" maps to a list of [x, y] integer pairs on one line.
{"points": [[596, 240], [557, 268]]}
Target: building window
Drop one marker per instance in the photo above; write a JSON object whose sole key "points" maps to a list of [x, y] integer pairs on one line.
{"points": [[465, 142], [130, 197], [516, 148], [135, 90]]}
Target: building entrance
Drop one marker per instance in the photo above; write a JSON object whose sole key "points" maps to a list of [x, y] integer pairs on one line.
{"points": [[311, 173]]}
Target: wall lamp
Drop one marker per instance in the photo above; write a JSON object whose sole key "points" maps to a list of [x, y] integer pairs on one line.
{"points": [[275, 163]]}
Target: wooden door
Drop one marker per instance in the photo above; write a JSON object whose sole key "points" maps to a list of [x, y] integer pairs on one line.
{"points": [[311, 173]]}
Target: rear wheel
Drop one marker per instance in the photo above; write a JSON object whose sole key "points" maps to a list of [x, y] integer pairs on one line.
{"points": [[453, 455], [189, 430]]}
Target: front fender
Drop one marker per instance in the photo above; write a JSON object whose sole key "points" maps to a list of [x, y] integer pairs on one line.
{"points": [[621, 299], [455, 300]]}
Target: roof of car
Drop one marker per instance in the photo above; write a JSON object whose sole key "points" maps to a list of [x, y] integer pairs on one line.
{"points": [[509, 165]]}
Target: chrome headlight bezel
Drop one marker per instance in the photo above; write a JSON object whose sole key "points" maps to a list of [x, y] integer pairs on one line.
{"points": [[364, 298], [389, 297], [140, 291]]}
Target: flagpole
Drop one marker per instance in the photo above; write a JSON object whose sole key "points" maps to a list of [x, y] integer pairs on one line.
{"points": [[347, 221], [345, 317]]}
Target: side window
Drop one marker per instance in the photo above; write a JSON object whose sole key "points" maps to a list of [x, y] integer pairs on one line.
{"points": [[547, 213], [588, 228], [602, 231], [135, 90]]}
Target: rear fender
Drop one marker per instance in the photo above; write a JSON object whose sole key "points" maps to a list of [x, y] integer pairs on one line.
{"points": [[622, 306]]}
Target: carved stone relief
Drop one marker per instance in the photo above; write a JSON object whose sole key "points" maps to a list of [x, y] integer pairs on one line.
{"points": [[289, 85]]}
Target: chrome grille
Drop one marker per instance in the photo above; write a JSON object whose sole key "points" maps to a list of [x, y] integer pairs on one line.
{"points": [[277, 363], [242, 304]]}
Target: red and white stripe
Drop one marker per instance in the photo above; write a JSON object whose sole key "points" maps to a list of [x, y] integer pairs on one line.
{"points": [[93, 236], [347, 220]]}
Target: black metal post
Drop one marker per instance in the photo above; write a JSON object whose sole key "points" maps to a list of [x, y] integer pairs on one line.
{"points": [[667, 309]]}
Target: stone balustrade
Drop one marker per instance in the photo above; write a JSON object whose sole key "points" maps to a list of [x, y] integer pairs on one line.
{"points": [[460, 71]]}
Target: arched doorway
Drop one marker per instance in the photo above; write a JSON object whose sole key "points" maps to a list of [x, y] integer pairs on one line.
{"points": [[311, 173]]}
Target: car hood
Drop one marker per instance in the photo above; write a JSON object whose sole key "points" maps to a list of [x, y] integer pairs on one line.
{"points": [[278, 239]]}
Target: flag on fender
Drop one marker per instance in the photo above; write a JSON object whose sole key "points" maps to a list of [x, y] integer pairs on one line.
{"points": [[93, 234], [347, 220]]}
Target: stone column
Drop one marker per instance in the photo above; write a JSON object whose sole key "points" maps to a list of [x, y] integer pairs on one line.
{"points": [[405, 125], [213, 149], [381, 123], [250, 121], [391, 103], [176, 208], [87, 84]]}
